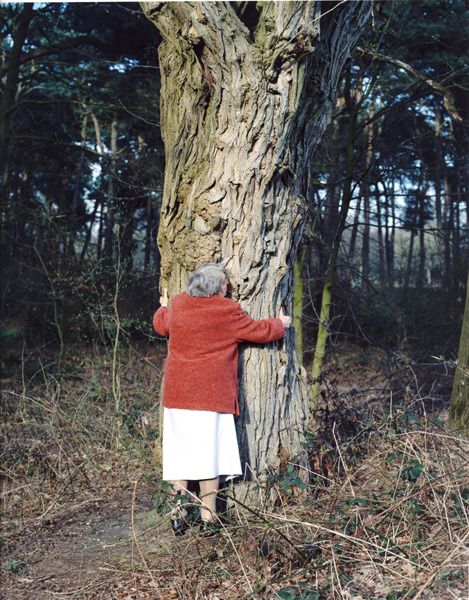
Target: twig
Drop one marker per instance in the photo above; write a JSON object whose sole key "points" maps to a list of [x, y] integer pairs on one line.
{"points": [[348, 538], [436, 571]]}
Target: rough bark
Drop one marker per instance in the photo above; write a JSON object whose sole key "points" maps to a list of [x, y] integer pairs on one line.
{"points": [[243, 108]]}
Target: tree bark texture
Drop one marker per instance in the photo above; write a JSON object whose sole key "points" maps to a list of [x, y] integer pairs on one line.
{"points": [[245, 100]]}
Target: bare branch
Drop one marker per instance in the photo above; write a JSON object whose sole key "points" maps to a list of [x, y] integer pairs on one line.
{"points": [[448, 98]]}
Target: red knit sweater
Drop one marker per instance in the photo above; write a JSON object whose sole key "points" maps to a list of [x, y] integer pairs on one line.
{"points": [[201, 370]]}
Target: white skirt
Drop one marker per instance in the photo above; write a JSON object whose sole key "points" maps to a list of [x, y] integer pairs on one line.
{"points": [[199, 444]]}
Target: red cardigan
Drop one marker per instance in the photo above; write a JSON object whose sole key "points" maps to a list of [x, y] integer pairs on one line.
{"points": [[201, 370]]}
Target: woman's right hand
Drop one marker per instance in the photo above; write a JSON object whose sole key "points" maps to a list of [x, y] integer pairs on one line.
{"points": [[286, 320], [164, 298]]}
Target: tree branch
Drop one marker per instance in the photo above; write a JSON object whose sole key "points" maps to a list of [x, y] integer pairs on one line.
{"points": [[69, 44], [448, 98]]}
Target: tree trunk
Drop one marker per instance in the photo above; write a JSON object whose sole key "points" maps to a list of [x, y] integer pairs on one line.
{"points": [[324, 317], [77, 192], [7, 106], [89, 231], [298, 306], [447, 220], [110, 212], [393, 231], [459, 410], [353, 237], [381, 245], [388, 251], [244, 103], [410, 255], [439, 158], [421, 228]]}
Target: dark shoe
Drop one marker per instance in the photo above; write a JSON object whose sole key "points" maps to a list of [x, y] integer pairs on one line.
{"points": [[179, 526], [209, 528]]}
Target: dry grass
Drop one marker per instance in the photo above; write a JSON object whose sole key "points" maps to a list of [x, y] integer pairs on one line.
{"points": [[385, 514]]}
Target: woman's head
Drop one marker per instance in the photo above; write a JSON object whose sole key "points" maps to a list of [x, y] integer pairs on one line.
{"points": [[208, 280]]}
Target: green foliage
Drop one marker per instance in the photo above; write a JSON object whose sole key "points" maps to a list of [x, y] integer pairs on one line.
{"points": [[297, 593], [14, 566], [412, 471], [395, 595], [163, 500], [288, 482]]}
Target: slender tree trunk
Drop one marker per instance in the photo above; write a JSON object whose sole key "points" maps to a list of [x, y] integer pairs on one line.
{"points": [[366, 236], [241, 119], [353, 235], [421, 230], [381, 245], [110, 200], [393, 229], [99, 241], [459, 409], [89, 232], [77, 192], [366, 209], [438, 163], [298, 306], [324, 317], [447, 219], [456, 245], [410, 256], [388, 251]]}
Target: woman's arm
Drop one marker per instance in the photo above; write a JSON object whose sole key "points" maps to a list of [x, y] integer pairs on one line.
{"points": [[260, 331], [161, 317]]}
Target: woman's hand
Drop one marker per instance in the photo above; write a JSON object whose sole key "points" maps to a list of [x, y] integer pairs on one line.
{"points": [[164, 298], [286, 320]]}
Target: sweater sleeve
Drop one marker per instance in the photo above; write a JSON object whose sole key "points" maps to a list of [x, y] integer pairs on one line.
{"points": [[161, 321], [263, 331]]}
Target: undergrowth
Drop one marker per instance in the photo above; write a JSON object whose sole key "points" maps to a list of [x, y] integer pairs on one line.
{"points": [[379, 510]]}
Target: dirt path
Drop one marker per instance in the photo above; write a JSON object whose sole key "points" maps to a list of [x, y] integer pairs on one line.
{"points": [[80, 548]]}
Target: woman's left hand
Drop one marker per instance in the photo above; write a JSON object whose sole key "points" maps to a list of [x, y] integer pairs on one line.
{"points": [[286, 320], [164, 298]]}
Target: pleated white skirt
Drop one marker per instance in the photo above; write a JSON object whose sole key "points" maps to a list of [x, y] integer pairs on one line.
{"points": [[199, 444]]}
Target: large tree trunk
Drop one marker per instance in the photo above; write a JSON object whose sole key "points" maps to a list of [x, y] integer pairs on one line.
{"points": [[245, 99]]}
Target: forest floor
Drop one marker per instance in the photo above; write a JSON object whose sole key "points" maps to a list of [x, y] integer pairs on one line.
{"points": [[384, 515]]}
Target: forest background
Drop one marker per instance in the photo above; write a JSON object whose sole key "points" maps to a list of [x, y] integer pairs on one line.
{"points": [[82, 164]]}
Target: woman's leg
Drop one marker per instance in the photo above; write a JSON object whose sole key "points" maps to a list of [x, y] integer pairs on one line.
{"points": [[179, 485], [208, 497], [179, 488]]}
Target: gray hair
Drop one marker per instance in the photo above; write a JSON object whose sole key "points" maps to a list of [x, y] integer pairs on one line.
{"points": [[206, 280]]}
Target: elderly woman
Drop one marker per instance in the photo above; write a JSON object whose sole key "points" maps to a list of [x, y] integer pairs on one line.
{"points": [[200, 391]]}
